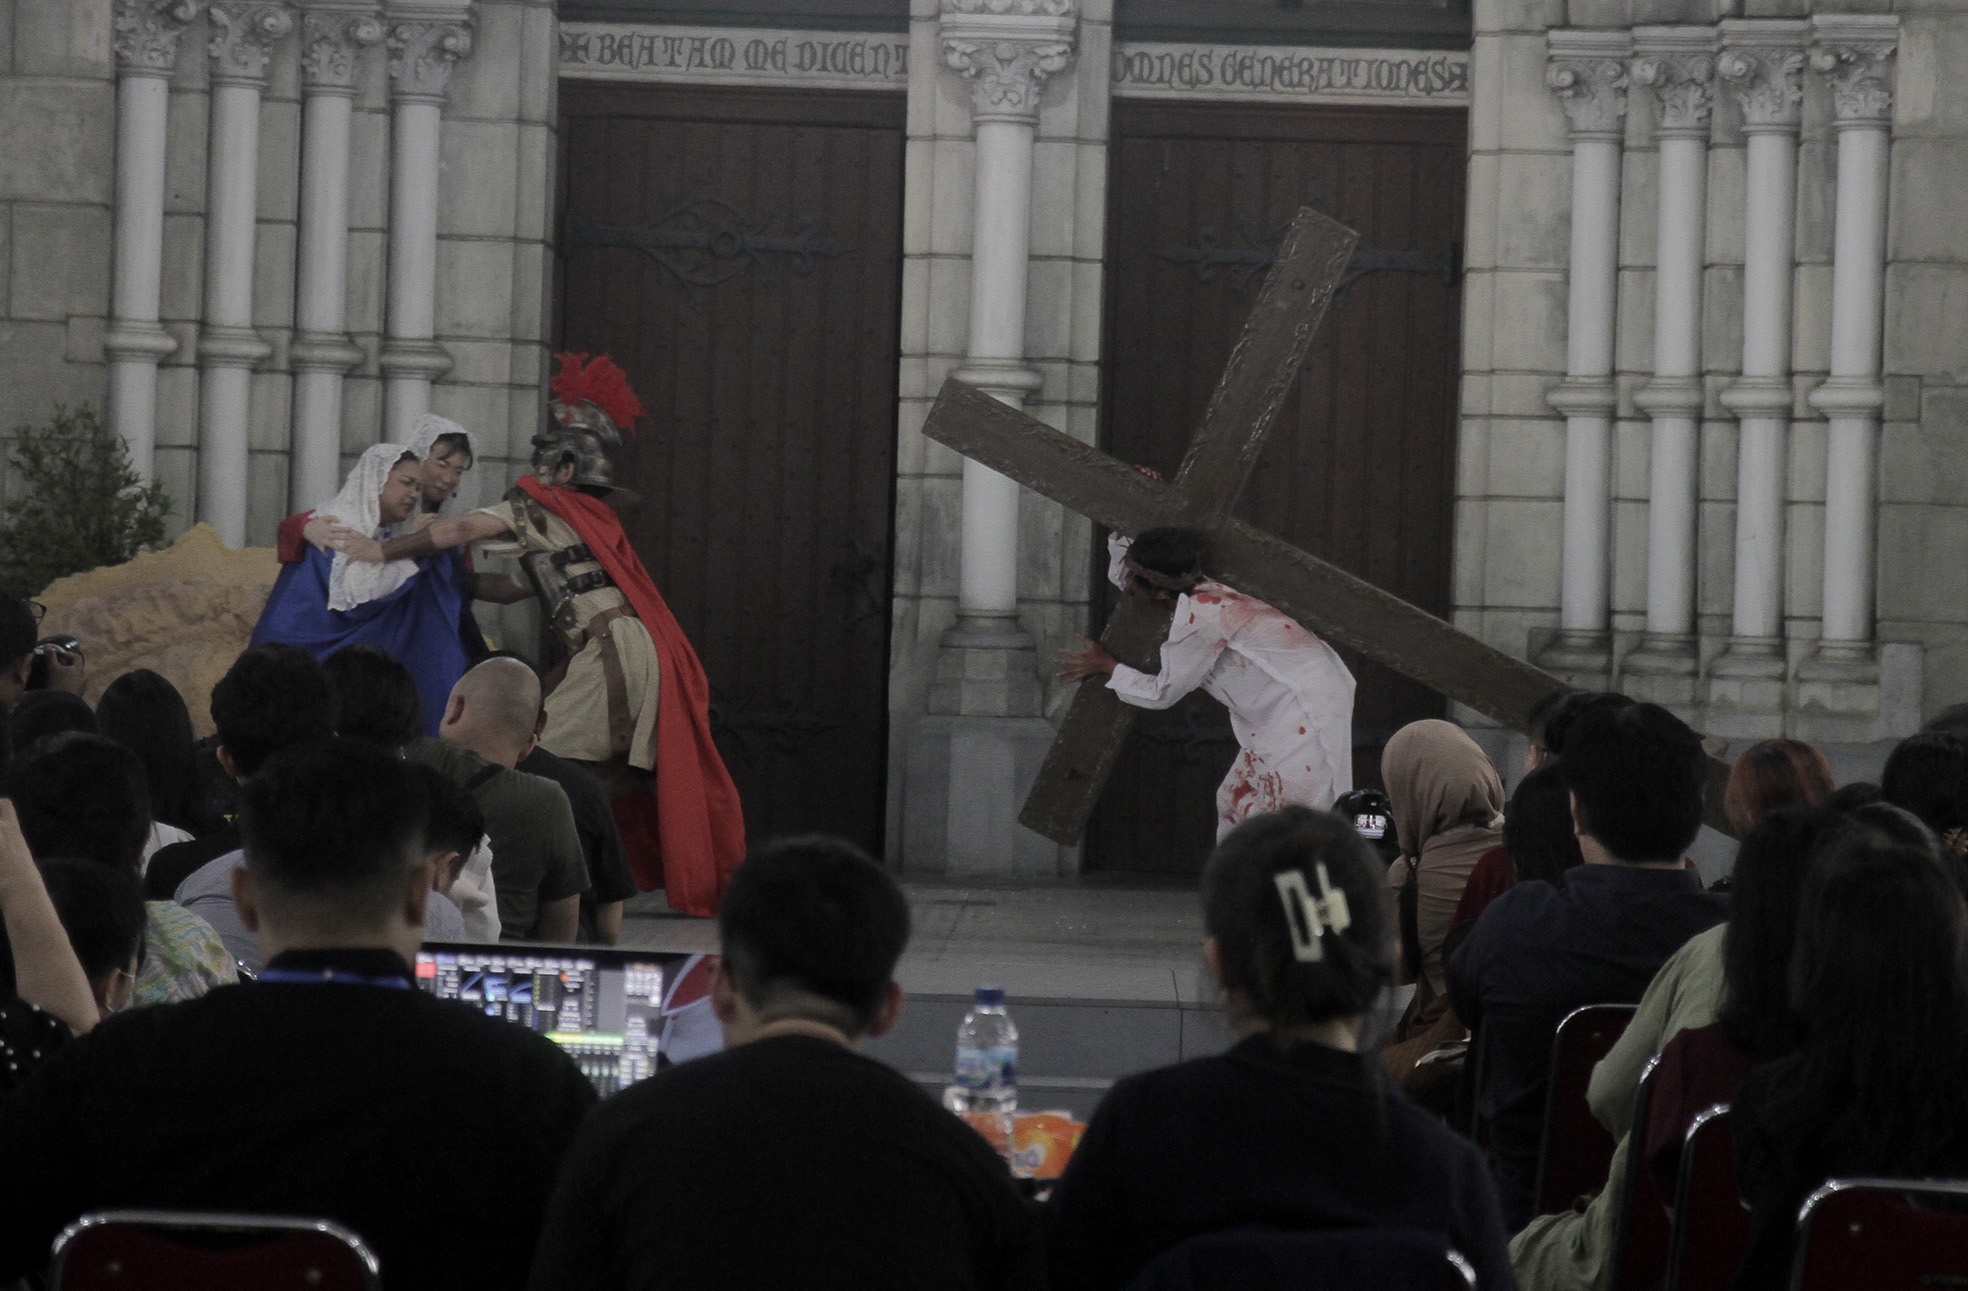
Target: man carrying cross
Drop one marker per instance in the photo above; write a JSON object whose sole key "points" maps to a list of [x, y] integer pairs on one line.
{"points": [[1262, 371], [1289, 695]]}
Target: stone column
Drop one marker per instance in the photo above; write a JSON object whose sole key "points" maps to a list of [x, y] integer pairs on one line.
{"points": [[146, 41], [335, 32], [975, 754], [1764, 63], [1588, 74], [425, 43], [243, 36], [1676, 66], [1855, 53], [1006, 49]]}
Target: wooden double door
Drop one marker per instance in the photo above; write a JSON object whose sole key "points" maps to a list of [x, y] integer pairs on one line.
{"points": [[1360, 469], [738, 252]]}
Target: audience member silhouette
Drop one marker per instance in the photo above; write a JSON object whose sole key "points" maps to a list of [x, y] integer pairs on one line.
{"points": [[1636, 775], [1874, 1088], [1293, 1128], [789, 1159], [84, 797], [332, 1087]]}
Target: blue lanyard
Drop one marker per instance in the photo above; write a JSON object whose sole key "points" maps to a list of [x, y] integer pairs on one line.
{"points": [[316, 976]]}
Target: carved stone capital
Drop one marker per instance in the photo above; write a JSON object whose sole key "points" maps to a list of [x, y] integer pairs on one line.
{"points": [[1008, 48], [147, 31], [1593, 93], [1769, 84], [422, 54], [1861, 76], [332, 42], [1682, 87], [244, 33], [1006, 75]]}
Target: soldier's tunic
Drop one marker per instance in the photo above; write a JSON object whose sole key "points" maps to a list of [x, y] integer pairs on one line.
{"points": [[605, 705]]}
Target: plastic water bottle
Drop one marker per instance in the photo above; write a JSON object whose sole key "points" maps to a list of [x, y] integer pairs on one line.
{"points": [[987, 1067]]}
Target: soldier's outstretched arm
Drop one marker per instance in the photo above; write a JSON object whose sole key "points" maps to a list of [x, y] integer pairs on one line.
{"points": [[452, 531]]}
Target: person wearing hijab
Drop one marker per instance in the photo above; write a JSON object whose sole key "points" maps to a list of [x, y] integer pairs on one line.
{"points": [[1448, 811], [324, 601]]}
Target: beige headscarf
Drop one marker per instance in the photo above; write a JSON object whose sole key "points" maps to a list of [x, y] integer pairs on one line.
{"points": [[1439, 781], [1448, 811]]}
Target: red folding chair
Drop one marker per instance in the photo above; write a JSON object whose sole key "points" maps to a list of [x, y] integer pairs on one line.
{"points": [[1711, 1225], [154, 1250], [1576, 1151], [1882, 1235], [1640, 1240]]}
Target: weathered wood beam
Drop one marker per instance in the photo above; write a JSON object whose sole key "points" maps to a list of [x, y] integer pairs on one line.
{"points": [[1352, 612], [1096, 728], [1262, 369], [1049, 462]]}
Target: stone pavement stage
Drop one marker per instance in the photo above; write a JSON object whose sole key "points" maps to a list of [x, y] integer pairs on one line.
{"points": [[1102, 980]]}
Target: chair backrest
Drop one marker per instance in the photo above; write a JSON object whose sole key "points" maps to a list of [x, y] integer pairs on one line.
{"points": [[154, 1250], [1711, 1225], [1576, 1151], [1344, 1259], [1640, 1233], [1883, 1235]]}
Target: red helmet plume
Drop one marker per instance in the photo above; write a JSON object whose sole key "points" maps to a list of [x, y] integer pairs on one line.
{"points": [[600, 383]]}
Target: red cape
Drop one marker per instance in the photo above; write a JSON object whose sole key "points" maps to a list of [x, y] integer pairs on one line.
{"points": [[690, 835]]}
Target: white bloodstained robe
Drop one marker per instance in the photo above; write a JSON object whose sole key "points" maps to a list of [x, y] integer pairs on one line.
{"points": [[1290, 697]]}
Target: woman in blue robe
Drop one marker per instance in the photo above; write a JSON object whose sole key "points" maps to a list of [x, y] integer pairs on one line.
{"points": [[447, 452], [414, 609]]}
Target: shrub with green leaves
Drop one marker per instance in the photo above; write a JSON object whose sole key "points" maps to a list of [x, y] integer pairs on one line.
{"points": [[80, 503]]}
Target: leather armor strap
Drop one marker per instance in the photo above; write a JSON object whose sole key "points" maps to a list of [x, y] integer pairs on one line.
{"points": [[621, 725]]}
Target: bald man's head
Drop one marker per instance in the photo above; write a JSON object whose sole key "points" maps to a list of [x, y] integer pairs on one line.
{"points": [[494, 710]]}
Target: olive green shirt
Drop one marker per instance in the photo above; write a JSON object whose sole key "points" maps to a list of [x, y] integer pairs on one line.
{"points": [[536, 851]]}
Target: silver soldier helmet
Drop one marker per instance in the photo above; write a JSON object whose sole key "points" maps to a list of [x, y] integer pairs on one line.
{"points": [[583, 435], [592, 408]]}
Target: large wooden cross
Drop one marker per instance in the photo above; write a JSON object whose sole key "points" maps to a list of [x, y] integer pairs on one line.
{"points": [[1261, 372]]}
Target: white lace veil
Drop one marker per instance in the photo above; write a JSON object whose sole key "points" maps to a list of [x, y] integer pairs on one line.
{"points": [[425, 430], [359, 506]]}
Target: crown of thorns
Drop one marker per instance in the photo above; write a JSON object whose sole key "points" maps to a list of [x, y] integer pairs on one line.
{"points": [[1167, 582]]}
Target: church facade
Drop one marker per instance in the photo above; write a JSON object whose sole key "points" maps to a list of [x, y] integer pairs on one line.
{"points": [[1650, 367]]}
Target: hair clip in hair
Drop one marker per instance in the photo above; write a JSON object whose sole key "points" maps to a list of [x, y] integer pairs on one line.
{"points": [[1310, 917]]}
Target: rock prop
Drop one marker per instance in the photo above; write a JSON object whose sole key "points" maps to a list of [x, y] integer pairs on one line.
{"points": [[186, 612]]}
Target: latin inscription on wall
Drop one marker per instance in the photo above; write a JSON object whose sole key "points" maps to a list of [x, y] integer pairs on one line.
{"points": [[1141, 69], [1285, 74], [734, 56]]}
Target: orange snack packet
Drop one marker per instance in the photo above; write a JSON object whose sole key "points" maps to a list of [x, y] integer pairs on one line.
{"points": [[1043, 1142]]}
